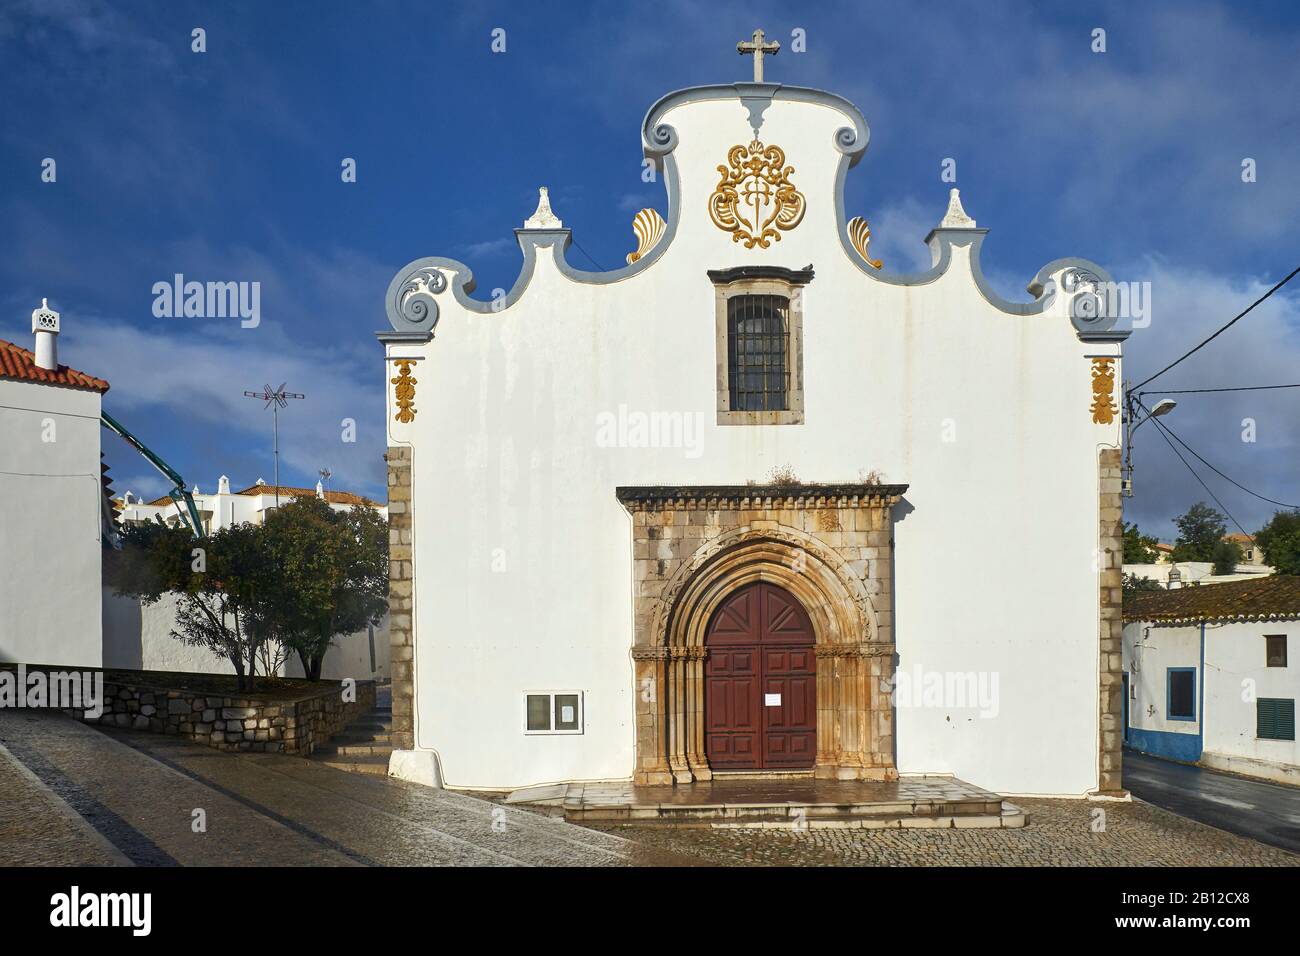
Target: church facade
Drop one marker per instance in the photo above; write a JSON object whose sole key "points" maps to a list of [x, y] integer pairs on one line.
{"points": [[753, 503]]}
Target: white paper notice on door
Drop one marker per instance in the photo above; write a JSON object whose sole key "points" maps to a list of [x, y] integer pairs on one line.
{"points": [[566, 714], [772, 700]]}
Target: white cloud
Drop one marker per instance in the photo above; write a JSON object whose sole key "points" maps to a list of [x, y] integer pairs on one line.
{"points": [[490, 247], [1262, 349], [898, 234], [176, 389]]}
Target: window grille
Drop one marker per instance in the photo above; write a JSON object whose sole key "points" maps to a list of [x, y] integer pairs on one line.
{"points": [[758, 333]]}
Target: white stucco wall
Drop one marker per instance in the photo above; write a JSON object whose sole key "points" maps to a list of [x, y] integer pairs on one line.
{"points": [[522, 555], [1235, 676], [49, 524], [1149, 652]]}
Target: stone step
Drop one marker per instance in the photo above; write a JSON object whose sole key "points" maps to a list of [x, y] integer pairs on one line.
{"points": [[371, 724], [361, 763], [362, 737], [343, 748], [865, 817]]}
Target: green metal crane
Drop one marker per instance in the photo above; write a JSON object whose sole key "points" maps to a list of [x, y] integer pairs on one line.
{"points": [[178, 493]]}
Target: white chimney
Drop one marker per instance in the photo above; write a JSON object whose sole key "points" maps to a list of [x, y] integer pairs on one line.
{"points": [[45, 323], [223, 485]]}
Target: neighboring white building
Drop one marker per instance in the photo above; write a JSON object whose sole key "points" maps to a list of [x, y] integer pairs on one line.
{"points": [[223, 508], [1212, 675], [52, 504], [581, 479], [1194, 572], [137, 636]]}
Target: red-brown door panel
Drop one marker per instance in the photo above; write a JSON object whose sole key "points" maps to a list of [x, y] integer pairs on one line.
{"points": [[760, 643]]}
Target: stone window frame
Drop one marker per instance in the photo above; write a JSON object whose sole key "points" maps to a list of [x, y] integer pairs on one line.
{"points": [[761, 280]]}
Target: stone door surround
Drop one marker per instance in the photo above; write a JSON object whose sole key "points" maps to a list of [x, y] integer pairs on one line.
{"points": [[830, 546]]}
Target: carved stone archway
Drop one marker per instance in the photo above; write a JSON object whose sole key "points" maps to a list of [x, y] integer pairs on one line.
{"points": [[829, 546]]}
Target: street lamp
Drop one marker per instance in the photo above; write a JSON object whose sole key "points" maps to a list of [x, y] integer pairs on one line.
{"points": [[1162, 407]]}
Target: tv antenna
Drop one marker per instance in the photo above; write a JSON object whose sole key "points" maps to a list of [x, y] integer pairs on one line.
{"points": [[275, 400]]}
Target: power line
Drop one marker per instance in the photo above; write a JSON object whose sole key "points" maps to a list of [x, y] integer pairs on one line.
{"points": [[1197, 391], [1241, 315], [1188, 466], [1283, 504], [587, 254]]}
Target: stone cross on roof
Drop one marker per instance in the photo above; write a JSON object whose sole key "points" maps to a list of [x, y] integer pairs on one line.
{"points": [[757, 47]]}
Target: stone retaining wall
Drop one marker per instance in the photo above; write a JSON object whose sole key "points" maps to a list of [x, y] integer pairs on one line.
{"points": [[289, 724]]}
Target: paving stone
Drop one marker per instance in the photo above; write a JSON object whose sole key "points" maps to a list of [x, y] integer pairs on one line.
{"points": [[1058, 833]]}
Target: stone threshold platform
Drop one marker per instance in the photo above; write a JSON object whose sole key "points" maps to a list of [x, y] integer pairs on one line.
{"points": [[784, 802]]}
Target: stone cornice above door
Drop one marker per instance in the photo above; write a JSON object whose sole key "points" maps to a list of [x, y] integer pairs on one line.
{"points": [[744, 497]]}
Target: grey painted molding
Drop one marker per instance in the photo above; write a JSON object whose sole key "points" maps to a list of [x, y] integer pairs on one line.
{"points": [[413, 310]]}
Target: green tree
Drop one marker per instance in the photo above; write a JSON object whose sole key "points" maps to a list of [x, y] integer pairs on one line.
{"points": [[1139, 548], [1279, 540], [1199, 532], [331, 575], [1131, 584], [220, 582], [1226, 556]]}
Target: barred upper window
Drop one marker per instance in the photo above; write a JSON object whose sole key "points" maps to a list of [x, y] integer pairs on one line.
{"points": [[758, 333]]}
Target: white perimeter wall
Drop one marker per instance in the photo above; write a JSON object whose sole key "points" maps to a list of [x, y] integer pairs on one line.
{"points": [[523, 556], [137, 636], [49, 525]]}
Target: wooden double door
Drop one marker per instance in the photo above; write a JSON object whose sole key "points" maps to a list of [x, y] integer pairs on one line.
{"points": [[760, 683]]}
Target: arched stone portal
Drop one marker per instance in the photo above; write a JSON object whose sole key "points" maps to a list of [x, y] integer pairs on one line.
{"points": [[830, 547]]}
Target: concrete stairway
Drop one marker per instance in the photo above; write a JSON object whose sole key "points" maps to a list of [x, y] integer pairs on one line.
{"points": [[363, 746]]}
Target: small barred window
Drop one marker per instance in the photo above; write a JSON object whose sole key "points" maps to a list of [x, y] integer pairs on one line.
{"points": [[758, 332]]}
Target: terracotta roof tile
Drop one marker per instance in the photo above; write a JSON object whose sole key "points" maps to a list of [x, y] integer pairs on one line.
{"points": [[1266, 598], [333, 497], [19, 364]]}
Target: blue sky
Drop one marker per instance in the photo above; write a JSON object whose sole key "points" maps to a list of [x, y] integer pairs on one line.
{"points": [[225, 166]]}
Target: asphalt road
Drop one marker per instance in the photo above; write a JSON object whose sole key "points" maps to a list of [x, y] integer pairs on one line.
{"points": [[1267, 812]]}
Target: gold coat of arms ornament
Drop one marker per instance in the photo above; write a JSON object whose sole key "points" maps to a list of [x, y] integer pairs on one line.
{"points": [[754, 199]]}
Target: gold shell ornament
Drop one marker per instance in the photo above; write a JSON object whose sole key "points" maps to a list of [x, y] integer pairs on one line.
{"points": [[860, 235], [649, 227]]}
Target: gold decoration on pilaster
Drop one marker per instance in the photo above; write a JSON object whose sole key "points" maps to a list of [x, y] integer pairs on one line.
{"points": [[1103, 391], [860, 235], [754, 197], [649, 227], [405, 392]]}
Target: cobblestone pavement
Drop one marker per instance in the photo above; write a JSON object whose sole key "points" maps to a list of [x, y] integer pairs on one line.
{"points": [[1058, 833], [77, 796], [139, 792], [38, 828]]}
